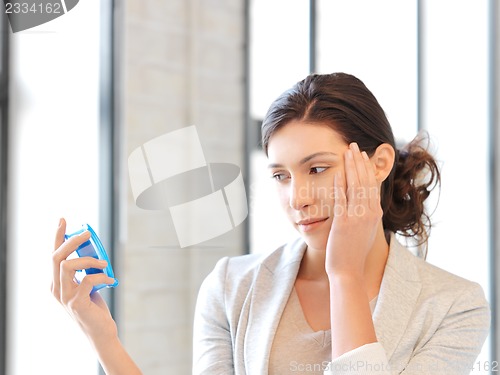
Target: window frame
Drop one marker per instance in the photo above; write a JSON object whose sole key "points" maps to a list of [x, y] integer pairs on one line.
{"points": [[108, 143], [4, 135], [494, 167]]}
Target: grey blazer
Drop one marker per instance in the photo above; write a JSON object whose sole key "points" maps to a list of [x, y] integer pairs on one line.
{"points": [[427, 320]]}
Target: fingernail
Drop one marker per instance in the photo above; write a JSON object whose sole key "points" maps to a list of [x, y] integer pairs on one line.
{"points": [[103, 263], [365, 155], [60, 222], [354, 146], [84, 234]]}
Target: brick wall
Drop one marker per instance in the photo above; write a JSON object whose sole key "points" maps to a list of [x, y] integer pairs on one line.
{"points": [[181, 64]]}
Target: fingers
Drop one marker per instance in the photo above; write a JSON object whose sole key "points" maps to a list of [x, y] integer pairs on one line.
{"points": [[355, 179], [61, 230], [91, 281], [340, 201], [62, 250], [59, 239], [70, 245], [68, 269], [362, 186], [360, 165], [372, 183], [351, 177], [80, 300], [65, 249]]}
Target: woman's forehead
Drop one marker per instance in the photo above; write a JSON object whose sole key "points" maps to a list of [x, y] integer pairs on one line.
{"points": [[305, 134], [299, 141]]}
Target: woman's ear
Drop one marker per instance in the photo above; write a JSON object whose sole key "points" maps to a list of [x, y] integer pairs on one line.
{"points": [[383, 161]]}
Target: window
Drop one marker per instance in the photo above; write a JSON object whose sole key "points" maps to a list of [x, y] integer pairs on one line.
{"points": [[279, 56], [53, 172]]}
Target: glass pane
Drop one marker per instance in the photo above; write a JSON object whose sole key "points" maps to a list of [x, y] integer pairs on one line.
{"points": [[377, 42], [279, 57], [53, 172], [279, 49], [455, 113]]}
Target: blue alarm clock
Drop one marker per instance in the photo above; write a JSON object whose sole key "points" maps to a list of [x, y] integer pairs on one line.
{"points": [[93, 248]]}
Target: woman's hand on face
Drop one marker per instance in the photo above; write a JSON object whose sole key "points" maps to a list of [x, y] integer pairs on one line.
{"points": [[357, 215], [88, 310]]}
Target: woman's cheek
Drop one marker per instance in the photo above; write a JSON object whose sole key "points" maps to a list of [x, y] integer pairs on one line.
{"points": [[325, 192], [284, 197]]}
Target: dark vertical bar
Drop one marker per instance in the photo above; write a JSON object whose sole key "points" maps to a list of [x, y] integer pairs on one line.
{"points": [[312, 36], [4, 135], [107, 142], [420, 68], [249, 132], [494, 167]]}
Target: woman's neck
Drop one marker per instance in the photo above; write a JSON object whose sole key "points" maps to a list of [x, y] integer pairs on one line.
{"points": [[312, 267]]}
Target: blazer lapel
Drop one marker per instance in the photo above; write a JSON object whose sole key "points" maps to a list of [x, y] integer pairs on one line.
{"points": [[273, 284], [398, 294]]}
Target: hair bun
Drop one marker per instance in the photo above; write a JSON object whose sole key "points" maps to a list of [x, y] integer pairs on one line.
{"points": [[416, 175]]}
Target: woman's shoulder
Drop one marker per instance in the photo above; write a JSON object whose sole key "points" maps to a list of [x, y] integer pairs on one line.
{"points": [[432, 278], [241, 266], [233, 277]]}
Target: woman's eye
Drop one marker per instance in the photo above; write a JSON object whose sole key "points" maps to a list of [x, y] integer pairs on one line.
{"points": [[279, 176], [315, 170]]}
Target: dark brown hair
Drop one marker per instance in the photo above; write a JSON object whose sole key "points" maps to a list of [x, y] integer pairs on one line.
{"points": [[343, 102]]}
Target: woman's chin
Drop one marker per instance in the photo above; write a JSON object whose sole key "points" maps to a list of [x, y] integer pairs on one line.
{"points": [[315, 241]]}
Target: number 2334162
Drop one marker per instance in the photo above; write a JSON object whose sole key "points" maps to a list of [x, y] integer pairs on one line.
{"points": [[41, 7], [492, 366]]}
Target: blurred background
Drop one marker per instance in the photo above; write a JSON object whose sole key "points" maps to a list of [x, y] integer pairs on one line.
{"points": [[80, 93]]}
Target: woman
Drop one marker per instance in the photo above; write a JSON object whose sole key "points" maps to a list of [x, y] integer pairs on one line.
{"points": [[346, 297]]}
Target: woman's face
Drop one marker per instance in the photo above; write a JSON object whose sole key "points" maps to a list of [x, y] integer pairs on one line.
{"points": [[303, 159]]}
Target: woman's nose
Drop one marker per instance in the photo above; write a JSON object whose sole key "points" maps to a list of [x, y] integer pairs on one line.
{"points": [[301, 194]]}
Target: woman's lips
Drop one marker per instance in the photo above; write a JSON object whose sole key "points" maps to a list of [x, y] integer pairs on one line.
{"points": [[310, 224]]}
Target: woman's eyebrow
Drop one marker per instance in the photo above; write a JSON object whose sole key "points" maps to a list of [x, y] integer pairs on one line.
{"points": [[306, 159]]}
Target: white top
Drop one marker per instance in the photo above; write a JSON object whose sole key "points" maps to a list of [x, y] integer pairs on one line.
{"points": [[297, 348]]}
